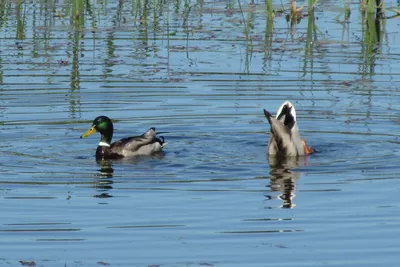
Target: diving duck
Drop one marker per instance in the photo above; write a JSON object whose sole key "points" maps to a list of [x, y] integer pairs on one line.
{"points": [[285, 136], [145, 144]]}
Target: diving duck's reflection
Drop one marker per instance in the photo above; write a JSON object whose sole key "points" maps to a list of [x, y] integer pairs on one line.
{"points": [[283, 179]]}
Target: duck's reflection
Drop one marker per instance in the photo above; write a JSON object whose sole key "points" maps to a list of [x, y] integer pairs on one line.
{"points": [[283, 179], [104, 175], [106, 169], [104, 182]]}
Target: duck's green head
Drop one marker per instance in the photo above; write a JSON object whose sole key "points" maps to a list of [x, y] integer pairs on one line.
{"points": [[104, 126]]}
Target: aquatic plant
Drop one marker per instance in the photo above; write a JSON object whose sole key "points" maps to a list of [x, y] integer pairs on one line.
{"points": [[373, 29], [294, 11], [269, 10], [370, 6], [311, 5]]}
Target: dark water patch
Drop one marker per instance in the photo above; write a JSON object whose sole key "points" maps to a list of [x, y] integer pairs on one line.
{"points": [[263, 232], [42, 197], [61, 240], [39, 230], [146, 226]]}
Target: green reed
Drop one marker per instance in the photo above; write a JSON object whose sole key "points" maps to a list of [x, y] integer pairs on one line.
{"points": [[372, 29], [309, 44], [21, 20], [311, 5], [247, 23], [269, 10], [268, 29], [372, 6]]}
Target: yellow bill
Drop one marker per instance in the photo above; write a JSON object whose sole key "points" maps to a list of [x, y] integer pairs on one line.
{"points": [[89, 132]]}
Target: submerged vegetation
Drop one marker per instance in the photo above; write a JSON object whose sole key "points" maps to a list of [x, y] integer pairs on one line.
{"points": [[80, 20]]}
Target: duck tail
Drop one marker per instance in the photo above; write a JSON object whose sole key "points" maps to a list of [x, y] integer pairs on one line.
{"points": [[268, 116]]}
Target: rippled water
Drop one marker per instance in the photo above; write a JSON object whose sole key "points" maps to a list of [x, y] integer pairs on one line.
{"points": [[213, 198]]}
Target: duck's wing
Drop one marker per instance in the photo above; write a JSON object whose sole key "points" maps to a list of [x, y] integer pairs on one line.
{"points": [[282, 142], [145, 144]]}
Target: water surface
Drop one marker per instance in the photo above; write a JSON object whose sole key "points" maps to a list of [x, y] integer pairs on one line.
{"points": [[213, 198]]}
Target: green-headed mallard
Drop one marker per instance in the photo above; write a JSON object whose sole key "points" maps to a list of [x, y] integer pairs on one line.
{"points": [[145, 144], [285, 137]]}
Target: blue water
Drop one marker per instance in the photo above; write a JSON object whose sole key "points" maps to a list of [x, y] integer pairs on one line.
{"points": [[213, 198]]}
